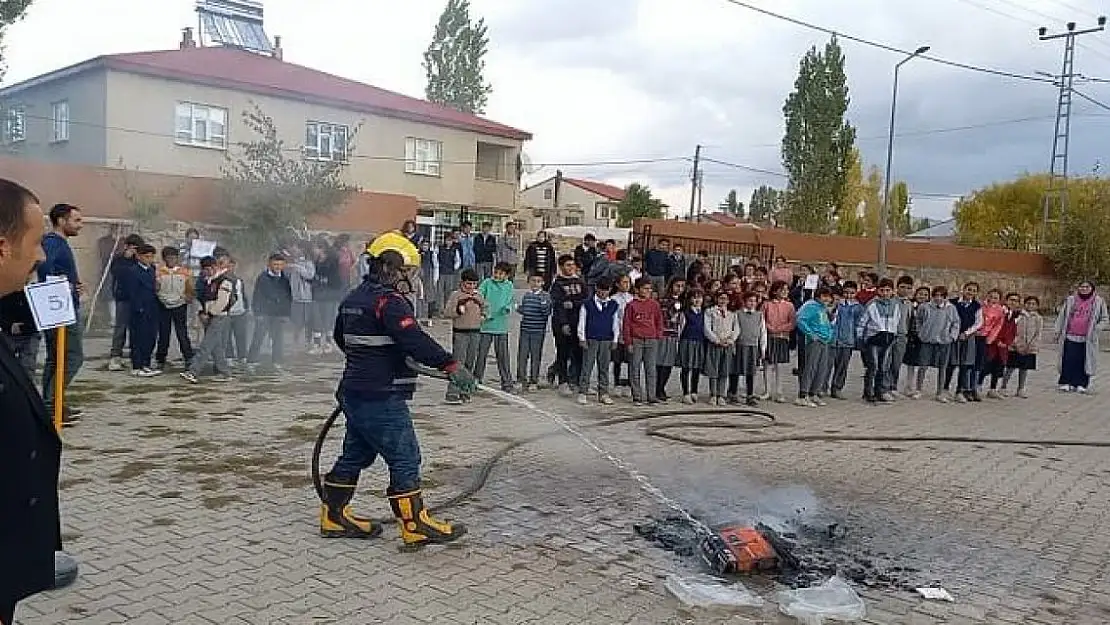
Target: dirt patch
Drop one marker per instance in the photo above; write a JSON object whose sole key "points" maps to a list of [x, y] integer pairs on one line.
{"points": [[162, 431], [308, 416], [86, 398], [138, 389], [210, 484], [163, 522], [300, 433], [294, 481], [219, 502], [258, 398], [132, 470], [170, 494], [178, 412], [115, 451], [68, 483], [90, 385], [498, 438]]}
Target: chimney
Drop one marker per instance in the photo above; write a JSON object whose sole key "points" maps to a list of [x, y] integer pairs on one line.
{"points": [[278, 52], [187, 41]]}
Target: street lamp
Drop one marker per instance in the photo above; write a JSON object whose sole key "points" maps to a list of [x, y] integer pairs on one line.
{"points": [[884, 219]]}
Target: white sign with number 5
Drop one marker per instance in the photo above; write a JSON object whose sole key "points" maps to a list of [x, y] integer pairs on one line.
{"points": [[51, 303]]}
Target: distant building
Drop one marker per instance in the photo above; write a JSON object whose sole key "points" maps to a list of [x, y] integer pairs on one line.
{"points": [[181, 112], [943, 232], [577, 203]]}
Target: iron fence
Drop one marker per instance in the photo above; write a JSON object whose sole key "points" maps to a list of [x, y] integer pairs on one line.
{"points": [[722, 254]]}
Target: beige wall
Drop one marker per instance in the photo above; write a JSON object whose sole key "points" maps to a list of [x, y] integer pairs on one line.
{"points": [[85, 94], [572, 200], [376, 164]]}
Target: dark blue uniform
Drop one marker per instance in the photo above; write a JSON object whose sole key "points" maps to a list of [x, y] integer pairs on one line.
{"points": [[377, 330], [142, 298]]}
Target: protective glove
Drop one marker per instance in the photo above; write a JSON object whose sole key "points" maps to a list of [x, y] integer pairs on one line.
{"points": [[461, 378]]}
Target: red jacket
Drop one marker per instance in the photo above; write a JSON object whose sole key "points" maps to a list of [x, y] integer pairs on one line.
{"points": [[643, 319]]}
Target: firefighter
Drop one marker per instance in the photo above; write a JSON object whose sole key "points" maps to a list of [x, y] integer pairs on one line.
{"points": [[377, 331]]}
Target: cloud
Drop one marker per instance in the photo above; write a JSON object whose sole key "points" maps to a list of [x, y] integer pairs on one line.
{"points": [[599, 80]]}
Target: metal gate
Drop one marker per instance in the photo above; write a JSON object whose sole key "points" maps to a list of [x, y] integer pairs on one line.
{"points": [[722, 254]]}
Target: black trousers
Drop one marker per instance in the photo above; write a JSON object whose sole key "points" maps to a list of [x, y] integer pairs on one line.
{"points": [[568, 358], [7, 613], [177, 320]]}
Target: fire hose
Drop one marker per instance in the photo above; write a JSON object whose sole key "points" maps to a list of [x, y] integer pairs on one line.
{"points": [[762, 421]]}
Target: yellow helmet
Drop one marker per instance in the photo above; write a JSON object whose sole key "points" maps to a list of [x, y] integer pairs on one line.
{"points": [[396, 242]]}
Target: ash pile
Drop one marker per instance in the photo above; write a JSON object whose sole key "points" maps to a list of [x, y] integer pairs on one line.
{"points": [[803, 554]]}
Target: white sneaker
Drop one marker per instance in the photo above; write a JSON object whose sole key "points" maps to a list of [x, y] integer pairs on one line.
{"points": [[961, 398], [693, 398], [564, 390], [532, 388], [896, 395], [1064, 388], [605, 400], [315, 350], [688, 399], [817, 401], [1023, 394], [994, 394], [802, 402], [943, 398], [189, 377], [765, 397], [581, 399], [915, 395], [115, 364], [1082, 390]]}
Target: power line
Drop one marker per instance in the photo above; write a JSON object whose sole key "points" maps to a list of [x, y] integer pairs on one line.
{"points": [[888, 47], [1091, 100], [756, 170], [1051, 18], [376, 157]]}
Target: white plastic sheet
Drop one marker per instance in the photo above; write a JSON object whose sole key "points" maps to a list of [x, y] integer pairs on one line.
{"points": [[834, 600], [706, 591]]}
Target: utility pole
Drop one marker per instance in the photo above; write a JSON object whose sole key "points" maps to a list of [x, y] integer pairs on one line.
{"points": [[1056, 197], [694, 182], [700, 187]]}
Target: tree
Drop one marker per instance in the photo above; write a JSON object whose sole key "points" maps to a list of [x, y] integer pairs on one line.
{"points": [[872, 201], [917, 224], [11, 11], [455, 61], [638, 204], [1009, 215], [1005, 215], [849, 215], [731, 205], [817, 145], [146, 204], [765, 205], [1083, 249], [270, 195]]}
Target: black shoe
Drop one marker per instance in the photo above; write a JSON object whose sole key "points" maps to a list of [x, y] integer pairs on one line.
{"points": [[751, 401], [974, 396]]}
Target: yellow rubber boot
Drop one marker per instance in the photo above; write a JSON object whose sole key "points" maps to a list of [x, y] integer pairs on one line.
{"points": [[337, 520], [418, 527]]}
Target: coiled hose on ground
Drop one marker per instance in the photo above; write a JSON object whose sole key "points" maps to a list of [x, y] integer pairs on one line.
{"points": [[668, 431]]}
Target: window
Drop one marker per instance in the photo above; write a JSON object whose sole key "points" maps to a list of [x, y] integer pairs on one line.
{"points": [[201, 125], [574, 220], [59, 114], [602, 211], [547, 193], [546, 222], [423, 156], [15, 124], [324, 141]]}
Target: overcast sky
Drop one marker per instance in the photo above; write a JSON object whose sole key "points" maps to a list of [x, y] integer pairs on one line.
{"points": [[617, 80]]}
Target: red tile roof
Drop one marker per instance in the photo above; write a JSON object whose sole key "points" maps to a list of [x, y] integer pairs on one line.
{"points": [[724, 219], [230, 68], [600, 188]]}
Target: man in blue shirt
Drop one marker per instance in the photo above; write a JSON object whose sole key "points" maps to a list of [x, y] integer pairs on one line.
{"points": [[65, 222]]}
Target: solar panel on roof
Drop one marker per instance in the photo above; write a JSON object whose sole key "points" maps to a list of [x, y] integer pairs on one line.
{"points": [[235, 23]]}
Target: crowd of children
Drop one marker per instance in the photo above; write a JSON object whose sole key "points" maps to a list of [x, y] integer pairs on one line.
{"points": [[744, 329], [157, 301]]}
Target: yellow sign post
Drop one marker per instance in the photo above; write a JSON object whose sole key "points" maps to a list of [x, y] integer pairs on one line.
{"points": [[59, 378]]}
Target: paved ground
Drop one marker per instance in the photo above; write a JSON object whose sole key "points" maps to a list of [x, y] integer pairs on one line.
{"points": [[192, 505]]}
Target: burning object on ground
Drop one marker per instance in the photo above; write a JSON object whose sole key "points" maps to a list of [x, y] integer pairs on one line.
{"points": [[739, 549]]}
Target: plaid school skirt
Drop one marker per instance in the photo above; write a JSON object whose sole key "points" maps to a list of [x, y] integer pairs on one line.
{"points": [[667, 356], [778, 350], [691, 354]]}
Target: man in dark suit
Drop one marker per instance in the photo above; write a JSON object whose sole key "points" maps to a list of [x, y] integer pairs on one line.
{"points": [[30, 449]]}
